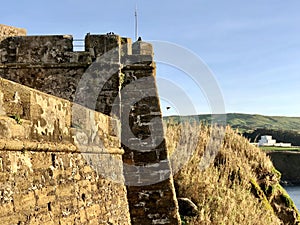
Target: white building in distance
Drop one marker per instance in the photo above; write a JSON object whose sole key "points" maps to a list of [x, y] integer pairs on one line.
{"points": [[266, 140]]}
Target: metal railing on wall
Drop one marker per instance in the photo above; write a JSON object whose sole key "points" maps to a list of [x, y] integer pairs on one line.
{"points": [[78, 45]]}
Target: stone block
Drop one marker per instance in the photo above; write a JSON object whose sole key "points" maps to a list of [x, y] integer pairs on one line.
{"points": [[92, 212], [142, 48], [51, 117], [99, 45], [64, 190], [24, 203], [44, 49], [13, 219], [41, 161], [6, 209], [83, 216], [126, 46], [67, 220], [45, 196]]}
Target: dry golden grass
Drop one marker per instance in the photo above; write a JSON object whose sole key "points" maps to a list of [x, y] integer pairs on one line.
{"points": [[224, 178]]}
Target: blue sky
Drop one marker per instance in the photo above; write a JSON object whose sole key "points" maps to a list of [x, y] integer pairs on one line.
{"points": [[251, 47]]}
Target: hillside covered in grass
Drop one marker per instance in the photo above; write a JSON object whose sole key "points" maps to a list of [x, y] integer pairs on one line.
{"points": [[246, 122], [231, 181]]}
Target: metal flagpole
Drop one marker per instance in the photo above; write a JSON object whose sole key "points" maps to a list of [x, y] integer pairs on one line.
{"points": [[136, 23]]}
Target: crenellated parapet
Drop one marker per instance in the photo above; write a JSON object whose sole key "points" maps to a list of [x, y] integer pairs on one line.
{"points": [[58, 49], [49, 64]]}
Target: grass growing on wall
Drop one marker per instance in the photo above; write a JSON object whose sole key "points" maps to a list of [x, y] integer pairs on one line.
{"points": [[240, 186]]}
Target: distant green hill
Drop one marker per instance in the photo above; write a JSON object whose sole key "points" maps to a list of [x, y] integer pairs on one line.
{"points": [[245, 122]]}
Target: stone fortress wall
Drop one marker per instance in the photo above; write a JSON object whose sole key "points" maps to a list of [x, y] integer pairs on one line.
{"points": [[44, 177], [68, 161]]}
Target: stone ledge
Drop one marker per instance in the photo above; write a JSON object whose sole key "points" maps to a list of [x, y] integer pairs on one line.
{"points": [[43, 65], [16, 145], [145, 66]]}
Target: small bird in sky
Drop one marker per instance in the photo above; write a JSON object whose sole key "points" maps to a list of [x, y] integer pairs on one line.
{"points": [[168, 107]]}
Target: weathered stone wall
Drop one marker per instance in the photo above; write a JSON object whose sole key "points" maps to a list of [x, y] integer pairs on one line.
{"points": [[45, 63], [8, 31], [50, 151], [116, 78], [146, 166]]}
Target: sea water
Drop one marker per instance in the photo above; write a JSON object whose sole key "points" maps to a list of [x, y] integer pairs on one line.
{"points": [[294, 192]]}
